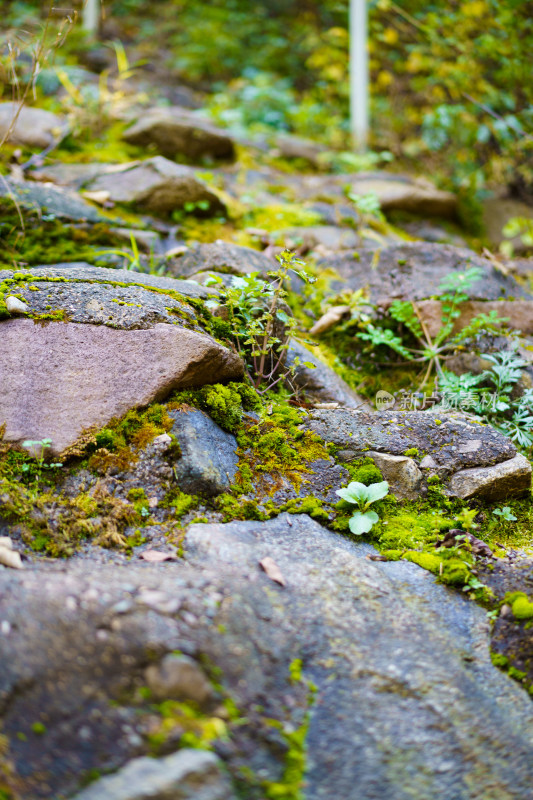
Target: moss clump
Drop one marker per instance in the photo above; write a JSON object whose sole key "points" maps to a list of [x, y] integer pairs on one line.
{"points": [[411, 526], [364, 471], [225, 404], [277, 216], [117, 444], [412, 452], [239, 508], [46, 240], [451, 570], [185, 723], [307, 505], [179, 502], [521, 606], [499, 660]]}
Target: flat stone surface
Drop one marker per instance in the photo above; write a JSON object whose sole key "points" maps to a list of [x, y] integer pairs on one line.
{"points": [[157, 185], [34, 127], [220, 257], [185, 775], [57, 202], [506, 479], [176, 131], [62, 379], [321, 384], [208, 462], [452, 441], [329, 237], [408, 704], [414, 270], [116, 298], [405, 193]]}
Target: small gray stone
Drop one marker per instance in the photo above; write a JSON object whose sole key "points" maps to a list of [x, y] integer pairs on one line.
{"points": [[176, 131], [508, 479], [185, 775], [16, 306], [219, 257], [208, 462], [401, 472], [157, 185], [178, 677], [57, 202], [34, 127]]}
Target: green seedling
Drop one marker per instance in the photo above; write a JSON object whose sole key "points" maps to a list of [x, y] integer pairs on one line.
{"points": [[505, 514], [363, 496]]}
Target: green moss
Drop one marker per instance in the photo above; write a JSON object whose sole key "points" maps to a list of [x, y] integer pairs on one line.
{"points": [[307, 505], [364, 471], [225, 404], [237, 508], [49, 241], [499, 660], [275, 217], [186, 721], [522, 607], [412, 452], [179, 502]]}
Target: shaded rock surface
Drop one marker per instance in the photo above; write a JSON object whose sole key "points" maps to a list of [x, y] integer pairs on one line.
{"points": [[414, 270], [208, 461], [186, 775], [96, 295], [63, 379], [175, 131], [59, 202], [157, 185], [221, 257], [34, 127], [321, 384], [448, 445], [408, 703]]}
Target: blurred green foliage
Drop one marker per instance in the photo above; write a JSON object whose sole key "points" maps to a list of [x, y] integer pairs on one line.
{"points": [[451, 85]]}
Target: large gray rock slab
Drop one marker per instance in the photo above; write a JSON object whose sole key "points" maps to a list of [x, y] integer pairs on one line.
{"points": [[96, 295], [413, 271], [220, 257], [408, 704], [177, 132], [186, 775], [405, 193], [57, 202], [157, 185], [34, 127], [448, 445], [208, 462], [324, 237], [62, 379]]}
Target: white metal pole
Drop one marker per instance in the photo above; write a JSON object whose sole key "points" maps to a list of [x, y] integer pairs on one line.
{"points": [[359, 74], [91, 14]]}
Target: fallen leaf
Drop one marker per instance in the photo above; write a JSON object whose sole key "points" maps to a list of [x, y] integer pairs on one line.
{"points": [[100, 197], [10, 558], [272, 570], [158, 555], [332, 316]]}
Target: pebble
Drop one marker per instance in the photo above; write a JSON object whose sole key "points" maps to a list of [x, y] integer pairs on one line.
{"points": [[16, 306]]}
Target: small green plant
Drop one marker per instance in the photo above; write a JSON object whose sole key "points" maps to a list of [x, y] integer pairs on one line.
{"points": [[363, 496], [505, 514], [260, 324], [466, 519], [39, 447], [490, 396], [409, 324]]}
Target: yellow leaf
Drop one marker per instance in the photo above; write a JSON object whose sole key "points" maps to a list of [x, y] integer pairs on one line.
{"points": [[476, 8], [384, 79], [390, 35]]}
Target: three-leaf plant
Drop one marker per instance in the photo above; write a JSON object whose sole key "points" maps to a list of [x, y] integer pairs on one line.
{"points": [[363, 496]]}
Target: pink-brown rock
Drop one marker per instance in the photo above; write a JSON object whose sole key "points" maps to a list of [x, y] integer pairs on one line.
{"points": [[61, 379]]}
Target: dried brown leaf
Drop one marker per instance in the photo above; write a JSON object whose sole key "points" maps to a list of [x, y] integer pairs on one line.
{"points": [[272, 570], [157, 555]]}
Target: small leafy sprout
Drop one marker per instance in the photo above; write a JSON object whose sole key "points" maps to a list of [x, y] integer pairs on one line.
{"points": [[38, 447], [363, 496], [466, 518], [505, 513]]}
